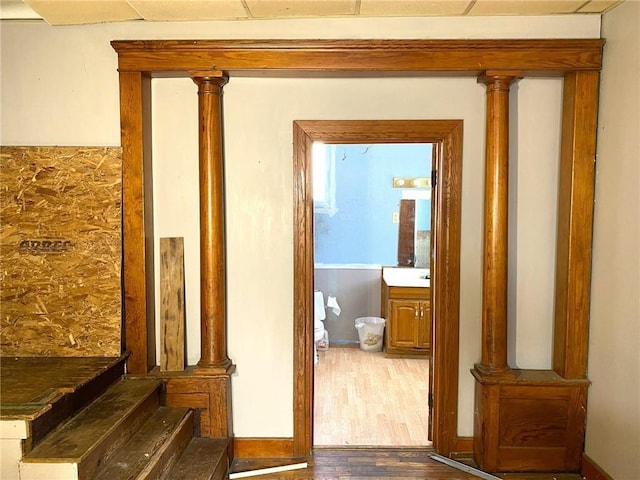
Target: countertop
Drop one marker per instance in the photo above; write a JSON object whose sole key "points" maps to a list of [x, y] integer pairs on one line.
{"points": [[406, 277]]}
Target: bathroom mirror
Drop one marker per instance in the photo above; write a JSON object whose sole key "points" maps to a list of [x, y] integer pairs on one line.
{"points": [[372, 203]]}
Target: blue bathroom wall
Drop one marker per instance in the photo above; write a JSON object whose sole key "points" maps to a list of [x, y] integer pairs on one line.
{"points": [[362, 230]]}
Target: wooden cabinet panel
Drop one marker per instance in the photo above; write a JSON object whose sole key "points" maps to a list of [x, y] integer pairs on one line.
{"points": [[404, 323], [532, 421], [424, 335], [408, 314]]}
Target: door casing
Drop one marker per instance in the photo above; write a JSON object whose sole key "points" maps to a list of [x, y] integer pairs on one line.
{"points": [[446, 135]]}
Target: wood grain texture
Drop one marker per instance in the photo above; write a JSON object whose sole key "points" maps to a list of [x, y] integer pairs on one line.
{"points": [[359, 464], [172, 306], [203, 459], [447, 134], [91, 437], [28, 379], [408, 313], [137, 224], [154, 447], [263, 447], [379, 464], [408, 329], [213, 340], [445, 286], [45, 391], [303, 290], [575, 224], [550, 56], [366, 398], [210, 396], [533, 422], [496, 208]]}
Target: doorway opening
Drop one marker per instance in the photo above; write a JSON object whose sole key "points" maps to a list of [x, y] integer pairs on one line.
{"points": [[446, 137], [372, 228]]}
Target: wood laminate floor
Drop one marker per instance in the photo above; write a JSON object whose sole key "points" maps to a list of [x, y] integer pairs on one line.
{"points": [[365, 398]]}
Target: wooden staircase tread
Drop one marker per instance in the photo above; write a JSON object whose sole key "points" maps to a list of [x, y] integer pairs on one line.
{"points": [[203, 459], [75, 439], [23, 379], [23, 411], [145, 446]]}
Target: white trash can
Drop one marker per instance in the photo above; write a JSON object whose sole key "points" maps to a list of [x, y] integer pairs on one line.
{"points": [[371, 333]]}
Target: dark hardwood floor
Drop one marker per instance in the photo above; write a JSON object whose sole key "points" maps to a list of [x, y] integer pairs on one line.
{"points": [[352, 464], [374, 463]]}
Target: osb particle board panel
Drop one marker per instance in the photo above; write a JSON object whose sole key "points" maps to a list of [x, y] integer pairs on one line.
{"points": [[60, 245]]}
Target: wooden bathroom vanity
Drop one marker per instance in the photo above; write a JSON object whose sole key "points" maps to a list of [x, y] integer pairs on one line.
{"points": [[406, 305]]}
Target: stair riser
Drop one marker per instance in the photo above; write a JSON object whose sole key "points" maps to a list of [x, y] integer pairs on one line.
{"points": [[50, 471]]}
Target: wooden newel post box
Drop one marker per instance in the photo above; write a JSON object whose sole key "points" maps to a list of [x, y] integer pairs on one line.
{"points": [[533, 420]]}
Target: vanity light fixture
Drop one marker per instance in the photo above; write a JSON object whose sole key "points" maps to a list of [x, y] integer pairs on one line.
{"points": [[411, 182]]}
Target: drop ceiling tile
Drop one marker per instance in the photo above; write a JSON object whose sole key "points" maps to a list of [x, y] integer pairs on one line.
{"points": [[396, 8], [177, 10], [300, 8], [525, 7], [16, 10], [71, 12], [599, 6]]}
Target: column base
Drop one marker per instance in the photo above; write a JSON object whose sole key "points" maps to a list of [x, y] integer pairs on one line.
{"points": [[489, 371], [223, 367], [532, 422]]}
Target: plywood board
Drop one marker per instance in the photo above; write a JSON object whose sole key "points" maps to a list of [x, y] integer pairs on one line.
{"points": [[172, 308], [60, 250]]}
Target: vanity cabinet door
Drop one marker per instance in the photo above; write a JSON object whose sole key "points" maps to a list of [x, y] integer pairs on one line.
{"points": [[424, 335], [404, 323]]}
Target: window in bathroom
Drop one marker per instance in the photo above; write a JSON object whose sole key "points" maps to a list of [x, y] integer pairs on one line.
{"points": [[324, 185]]}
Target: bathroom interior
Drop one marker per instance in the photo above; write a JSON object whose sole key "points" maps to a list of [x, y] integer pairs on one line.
{"points": [[372, 229]]}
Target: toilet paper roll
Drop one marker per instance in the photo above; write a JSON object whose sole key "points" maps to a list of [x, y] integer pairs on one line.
{"points": [[332, 303]]}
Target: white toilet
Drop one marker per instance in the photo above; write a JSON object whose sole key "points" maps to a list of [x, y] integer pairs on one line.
{"points": [[318, 327]]}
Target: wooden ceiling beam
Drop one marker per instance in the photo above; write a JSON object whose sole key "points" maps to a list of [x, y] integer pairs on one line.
{"points": [[533, 57]]}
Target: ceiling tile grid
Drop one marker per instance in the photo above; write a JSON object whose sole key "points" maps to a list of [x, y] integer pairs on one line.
{"points": [[185, 10], [68, 12]]}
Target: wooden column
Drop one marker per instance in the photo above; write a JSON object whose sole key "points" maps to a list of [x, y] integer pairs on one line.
{"points": [[213, 356], [494, 285]]}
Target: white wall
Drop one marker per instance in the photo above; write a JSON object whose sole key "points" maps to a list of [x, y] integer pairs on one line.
{"points": [[59, 86], [613, 418]]}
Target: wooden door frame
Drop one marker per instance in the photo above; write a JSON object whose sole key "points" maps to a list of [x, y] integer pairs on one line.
{"points": [[446, 135]]}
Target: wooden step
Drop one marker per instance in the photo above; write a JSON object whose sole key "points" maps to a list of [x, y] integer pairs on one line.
{"points": [[153, 449], [203, 459], [77, 448], [43, 392]]}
